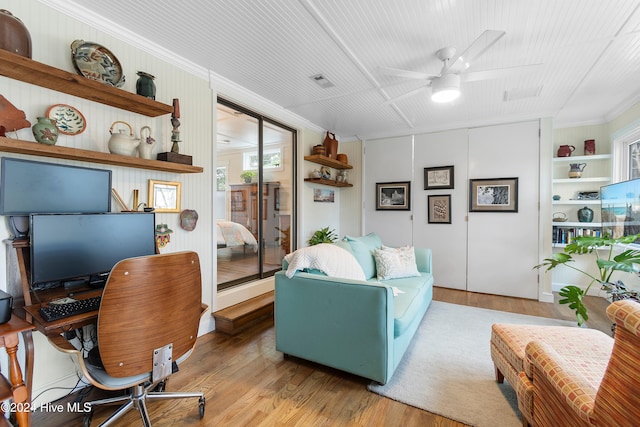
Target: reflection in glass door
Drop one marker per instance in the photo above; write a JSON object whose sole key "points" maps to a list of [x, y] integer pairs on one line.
{"points": [[253, 196]]}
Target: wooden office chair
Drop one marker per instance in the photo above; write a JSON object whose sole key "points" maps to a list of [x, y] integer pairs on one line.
{"points": [[148, 319]]}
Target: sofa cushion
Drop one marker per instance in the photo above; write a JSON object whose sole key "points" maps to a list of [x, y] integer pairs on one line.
{"points": [[409, 301], [362, 248], [393, 263]]}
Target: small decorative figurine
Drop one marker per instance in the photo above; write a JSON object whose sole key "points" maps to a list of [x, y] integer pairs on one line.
{"points": [[163, 233], [175, 123]]}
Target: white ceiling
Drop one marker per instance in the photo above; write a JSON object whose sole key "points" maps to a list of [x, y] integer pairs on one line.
{"points": [[590, 51]]}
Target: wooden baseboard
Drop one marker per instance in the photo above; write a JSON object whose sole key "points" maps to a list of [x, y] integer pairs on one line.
{"points": [[239, 317]]}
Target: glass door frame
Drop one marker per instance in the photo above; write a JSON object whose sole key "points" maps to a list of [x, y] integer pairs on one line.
{"points": [[294, 191]]}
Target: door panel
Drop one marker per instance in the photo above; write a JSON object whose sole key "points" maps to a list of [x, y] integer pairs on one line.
{"points": [[388, 160], [503, 247], [447, 241]]}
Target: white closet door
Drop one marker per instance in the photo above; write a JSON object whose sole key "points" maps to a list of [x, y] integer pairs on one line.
{"points": [[388, 160], [503, 247], [447, 241]]}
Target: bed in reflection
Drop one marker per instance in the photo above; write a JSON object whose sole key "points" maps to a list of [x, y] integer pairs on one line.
{"points": [[233, 235]]}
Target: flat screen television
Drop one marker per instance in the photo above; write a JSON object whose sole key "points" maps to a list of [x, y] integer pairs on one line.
{"points": [[83, 248], [36, 187], [620, 208]]}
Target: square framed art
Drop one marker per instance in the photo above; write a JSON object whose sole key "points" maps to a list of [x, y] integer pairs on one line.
{"points": [[164, 196], [493, 195]]}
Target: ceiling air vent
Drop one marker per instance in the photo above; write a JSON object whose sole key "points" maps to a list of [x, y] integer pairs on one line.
{"points": [[322, 81], [517, 94]]}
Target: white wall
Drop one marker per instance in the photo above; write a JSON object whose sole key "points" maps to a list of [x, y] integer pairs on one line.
{"points": [[497, 249]]}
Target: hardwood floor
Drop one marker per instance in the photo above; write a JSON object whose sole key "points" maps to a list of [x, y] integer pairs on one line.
{"points": [[248, 383], [241, 264]]}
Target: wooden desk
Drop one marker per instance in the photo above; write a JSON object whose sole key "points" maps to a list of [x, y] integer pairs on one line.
{"points": [[66, 324], [17, 389], [34, 299]]}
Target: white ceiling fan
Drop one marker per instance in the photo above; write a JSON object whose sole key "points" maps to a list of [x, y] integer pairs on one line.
{"points": [[445, 87]]}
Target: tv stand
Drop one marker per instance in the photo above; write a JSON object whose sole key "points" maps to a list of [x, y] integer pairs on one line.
{"points": [[74, 284]]}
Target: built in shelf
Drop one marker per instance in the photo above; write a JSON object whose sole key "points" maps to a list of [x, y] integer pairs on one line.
{"points": [[326, 161], [29, 71], [581, 158], [35, 149], [576, 202], [576, 180], [572, 224], [328, 182]]}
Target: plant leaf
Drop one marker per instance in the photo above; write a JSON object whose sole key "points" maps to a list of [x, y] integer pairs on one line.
{"points": [[555, 260], [572, 295]]}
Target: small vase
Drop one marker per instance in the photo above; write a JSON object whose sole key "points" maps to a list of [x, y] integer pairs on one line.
{"points": [[590, 147], [45, 131], [145, 149], [145, 85], [585, 214]]}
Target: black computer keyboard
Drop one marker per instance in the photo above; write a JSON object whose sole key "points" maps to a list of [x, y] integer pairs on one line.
{"points": [[59, 311]]}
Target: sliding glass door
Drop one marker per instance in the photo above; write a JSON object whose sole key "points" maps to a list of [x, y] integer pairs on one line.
{"points": [[254, 194]]}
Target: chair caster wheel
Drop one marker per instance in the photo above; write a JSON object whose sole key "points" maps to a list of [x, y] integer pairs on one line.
{"points": [[161, 386], [86, 422], [201, 403]]}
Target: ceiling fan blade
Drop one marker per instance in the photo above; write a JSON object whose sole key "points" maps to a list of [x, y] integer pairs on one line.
{"points": [[407, 95], [474, 76], [479, 46], [404, 73]]}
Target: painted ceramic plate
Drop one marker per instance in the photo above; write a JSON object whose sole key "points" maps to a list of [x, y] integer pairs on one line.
{"points": [[69, 121], [96, 62]]}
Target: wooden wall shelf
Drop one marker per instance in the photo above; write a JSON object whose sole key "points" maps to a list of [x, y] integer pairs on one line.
{"points": [[328, 182], [35, 149], [29, 71], [326, 161]]}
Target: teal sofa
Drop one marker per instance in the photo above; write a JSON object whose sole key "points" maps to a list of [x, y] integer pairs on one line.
{"points": [[355, 326]]}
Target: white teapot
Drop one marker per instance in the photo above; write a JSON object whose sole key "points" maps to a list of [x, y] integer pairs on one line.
{"points": [[122, 143]]}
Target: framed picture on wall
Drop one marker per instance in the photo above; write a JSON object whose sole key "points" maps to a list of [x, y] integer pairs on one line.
{"points": [[493, 195], [164, 196], [393, 196], [439, 209], [238, 201], [440, 177]]}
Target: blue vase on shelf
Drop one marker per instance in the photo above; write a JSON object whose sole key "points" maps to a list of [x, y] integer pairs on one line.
{"points": [[585, 214]]}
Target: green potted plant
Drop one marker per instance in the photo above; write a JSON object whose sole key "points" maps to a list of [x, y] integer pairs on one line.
{"points": [[248, 176], [324, 235], [627, 262]]}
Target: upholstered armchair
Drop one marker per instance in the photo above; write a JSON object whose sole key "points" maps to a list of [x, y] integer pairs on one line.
{"points": [[570, 391]]}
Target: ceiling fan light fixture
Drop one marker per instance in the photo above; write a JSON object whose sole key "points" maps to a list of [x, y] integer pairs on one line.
{"points": [[445, 88]]}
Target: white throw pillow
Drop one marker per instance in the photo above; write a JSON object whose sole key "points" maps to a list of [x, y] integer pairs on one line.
{"points": [[330, 258], [394, 263]]}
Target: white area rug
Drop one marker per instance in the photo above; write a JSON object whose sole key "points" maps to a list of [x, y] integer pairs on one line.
{"points": [[447, 369]]}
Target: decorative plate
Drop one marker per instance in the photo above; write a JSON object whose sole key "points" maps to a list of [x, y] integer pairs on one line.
{"points": [[96, 62], [69, 121]]}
